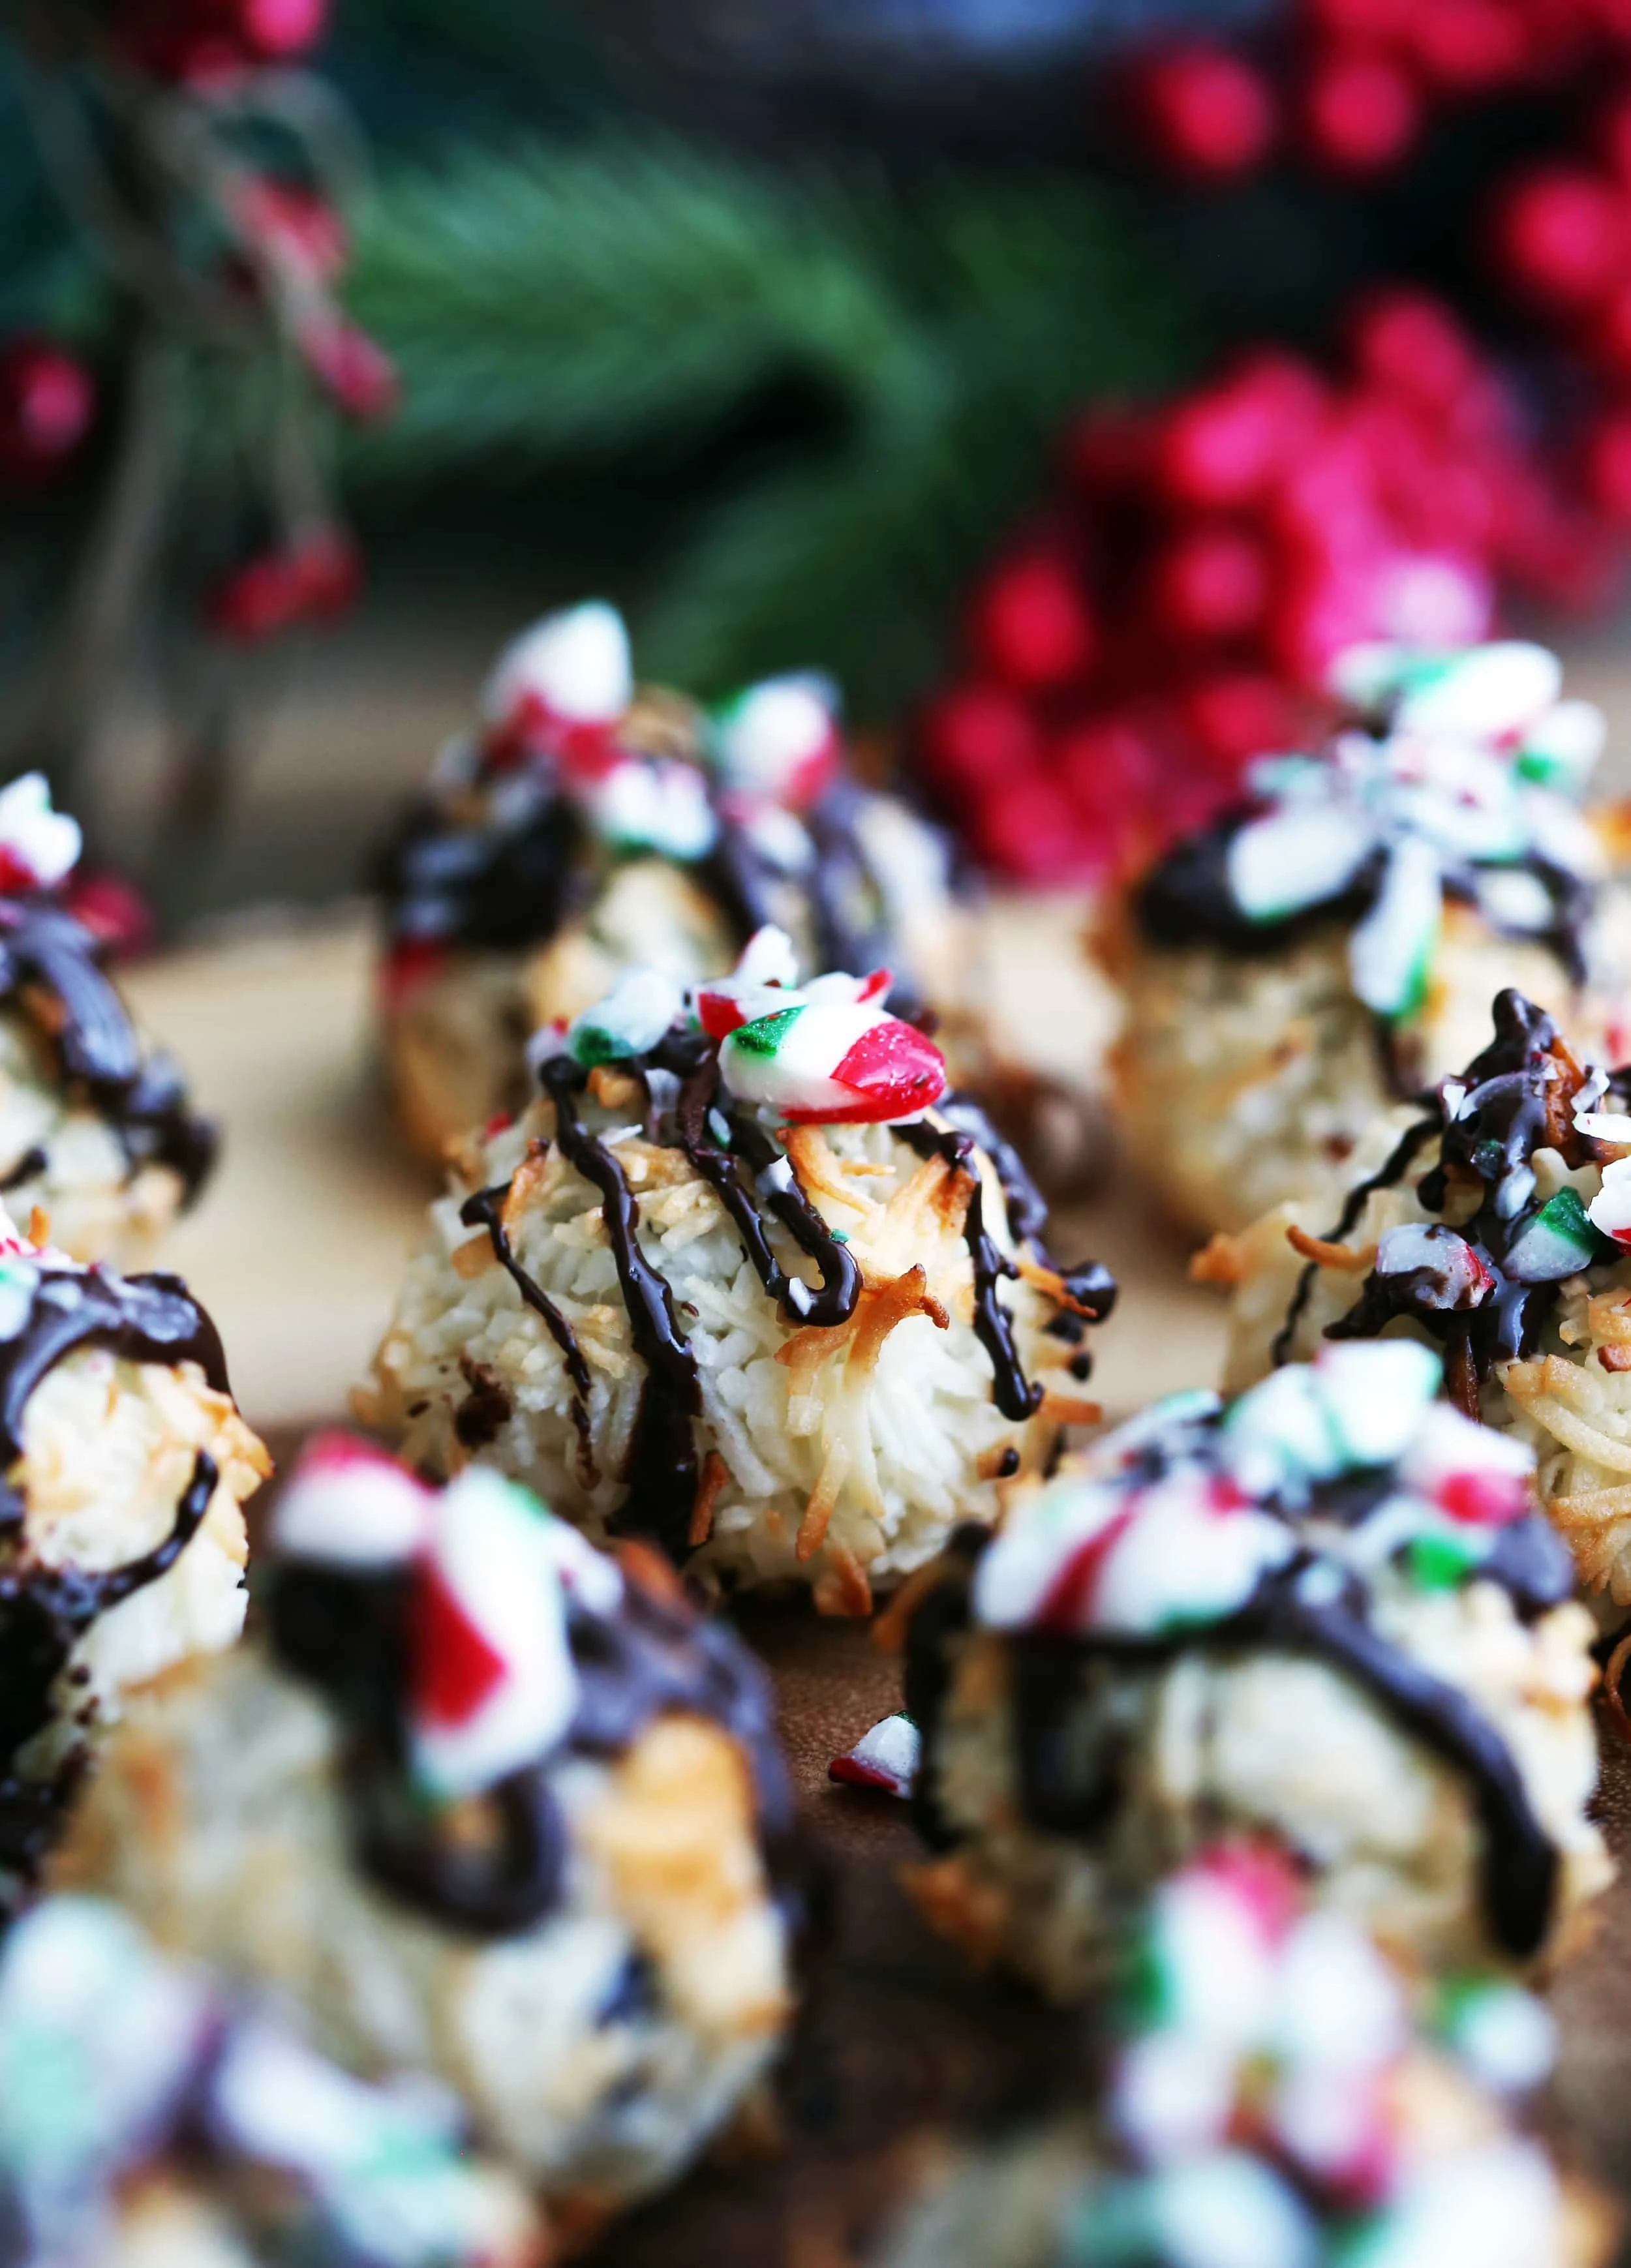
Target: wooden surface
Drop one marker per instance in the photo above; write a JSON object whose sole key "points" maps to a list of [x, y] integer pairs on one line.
{"points": [[296, 1250]]}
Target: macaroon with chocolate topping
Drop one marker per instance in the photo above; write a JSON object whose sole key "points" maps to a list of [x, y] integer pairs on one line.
{"points": [[745, 1280], [150, 2119], [125, 1467], [588, 825], [1498, 1229], [95, 1127], [1278, 2092], [1331, 949], [1328, 1613], [481, 1804]]}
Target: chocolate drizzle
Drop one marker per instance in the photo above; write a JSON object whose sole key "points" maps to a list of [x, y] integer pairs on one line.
{"points": [[350, 1633], [506, 865], [51, 967], [1515, 1098], [44, 1611], [757, 1183], [1309, 1606], [663, 1468]]}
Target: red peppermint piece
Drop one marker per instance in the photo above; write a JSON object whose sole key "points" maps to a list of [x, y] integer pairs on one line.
{"points": [[409, 962], [891, 1072], [1485, 1499], [1070, 1599], [718, 1014], [455, 1672]]}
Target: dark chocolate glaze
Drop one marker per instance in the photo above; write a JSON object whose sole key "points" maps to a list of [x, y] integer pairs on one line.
{"points": [[1513, 1099], [1185, 901], [349, 1632], [663, 1469], [44, 1611], [51, 966], [504, 879], [1065, 1794], [484, 1209]]}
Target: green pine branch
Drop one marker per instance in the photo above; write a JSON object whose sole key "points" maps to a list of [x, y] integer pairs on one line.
{"points": [[550, 306]]}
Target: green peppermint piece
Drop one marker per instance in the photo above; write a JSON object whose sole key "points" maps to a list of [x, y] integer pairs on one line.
{"points": [[629, 1022], [1558, 1242], [766, 1035], [1390, 953], [1440, 1563]]}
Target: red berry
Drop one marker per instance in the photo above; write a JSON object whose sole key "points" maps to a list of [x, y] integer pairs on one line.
{"points": [[1211, 583], [1360, 23], [1608, 463], [1208, 112], [1469, 46], [1410, 343], [977, 735], [284, 27], [113, 909], [1360, 113], [1562, 234], [1106, 768], [1613, 136], [1031, 623], [1221, 448], [46, 403], [1028, 829], [1237, 715]]}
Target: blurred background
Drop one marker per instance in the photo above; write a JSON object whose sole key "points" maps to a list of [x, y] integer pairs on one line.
{"points": [[1070, 378]]}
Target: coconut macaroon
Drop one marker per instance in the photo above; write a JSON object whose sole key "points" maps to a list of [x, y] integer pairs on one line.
{"points": [[1497, 1231], [745, 1280], [94, 1127], [588, 825], [1333, 947], [1328, 1613], [1278, 2093], [151, 2119], [485, 1805], [122, 1530]]}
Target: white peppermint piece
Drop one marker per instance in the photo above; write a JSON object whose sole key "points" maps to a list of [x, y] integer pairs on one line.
{"points": [[1495, 2202], [888, 1753], [1172, 2095], [809, 1048], [1338, 2005], [767, 958], [498, 1555], [659, 806], [348, 1505], [1513, 898], [1610, 1210], [774, 729], [1485, 694], [1367, 676], [632, 1019], [1278, 1436], [577, 663], [1228, 2210], [1182, 1560], [1376, 1393], [1390, 951], [1559, 832], [779, 836], [1295, 857], [1566, 743], [1218, 1964], [1612, 1126], [1448, 1445], [1508, 2038], [47, 843]]}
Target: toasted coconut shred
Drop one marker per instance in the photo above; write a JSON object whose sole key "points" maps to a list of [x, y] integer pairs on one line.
{"points": [[838, 1452]]}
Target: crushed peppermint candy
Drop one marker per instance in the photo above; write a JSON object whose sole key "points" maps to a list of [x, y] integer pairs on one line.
{"points": [[493, 1684], [574, 667], [630, 1020], [1462, 778], [1205, 1509], [816, 1059], [39, 847], [885, 1757], [121, 2065], [780, 741]]}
